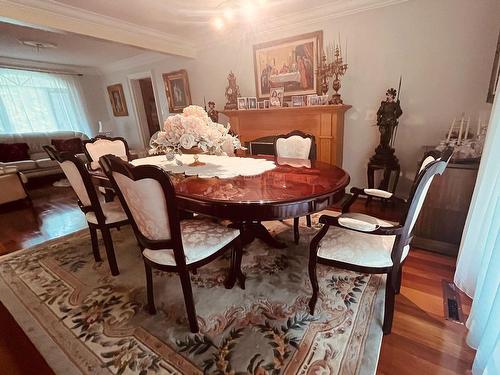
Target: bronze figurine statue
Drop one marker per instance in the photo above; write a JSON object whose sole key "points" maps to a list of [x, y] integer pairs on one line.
{"points": [[387, 123], [212, 112], [387, 118]]}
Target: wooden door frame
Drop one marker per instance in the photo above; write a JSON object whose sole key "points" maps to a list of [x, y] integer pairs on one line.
{"points": [[138, 104]]}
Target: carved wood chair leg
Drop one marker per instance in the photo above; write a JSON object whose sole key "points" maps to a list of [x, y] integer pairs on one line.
{"points": [[237, 266], [110, 252], [189, 301], [95, 244], [296, 234], [235, 273], [149, 289], [314, 283], [308, 220], [389, 304], [398, 280], [231, 275]]}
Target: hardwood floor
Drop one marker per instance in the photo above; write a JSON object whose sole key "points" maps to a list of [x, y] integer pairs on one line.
{"points": [[422, 341]]}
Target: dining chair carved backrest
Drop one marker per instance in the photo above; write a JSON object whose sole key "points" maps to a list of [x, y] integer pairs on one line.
{"points": [[99, 215], [102, 145], [296, 145], [367, 244], [168, 244]]}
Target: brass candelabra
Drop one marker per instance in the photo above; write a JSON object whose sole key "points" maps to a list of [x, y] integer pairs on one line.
{"points": [[332, 66]]}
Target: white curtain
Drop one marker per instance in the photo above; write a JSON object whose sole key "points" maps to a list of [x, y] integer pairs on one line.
{"points": [[40, 102], [478, 266]]}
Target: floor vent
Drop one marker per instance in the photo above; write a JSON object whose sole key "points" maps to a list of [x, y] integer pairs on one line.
{"points": [[452, 304]]}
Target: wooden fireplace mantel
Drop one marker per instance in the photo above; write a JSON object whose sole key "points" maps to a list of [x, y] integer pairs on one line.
{"points": [[326, 123]]}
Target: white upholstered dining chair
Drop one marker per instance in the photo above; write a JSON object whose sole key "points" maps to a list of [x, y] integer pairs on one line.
{"points": [[296, 145], [100, 215], [367, 244], [167, 243], [102, 145]]}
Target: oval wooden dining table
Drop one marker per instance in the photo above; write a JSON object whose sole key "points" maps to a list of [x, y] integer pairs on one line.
{"points": [[294, 188]]}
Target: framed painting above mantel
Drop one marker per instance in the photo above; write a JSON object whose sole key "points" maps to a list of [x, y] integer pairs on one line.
{"points": [[290, 63]]}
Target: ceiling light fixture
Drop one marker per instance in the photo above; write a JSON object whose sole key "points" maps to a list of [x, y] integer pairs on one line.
{"points": [[218, 23], [228, 14], [37, 45]]}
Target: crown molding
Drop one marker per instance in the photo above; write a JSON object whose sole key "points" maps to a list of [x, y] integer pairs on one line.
{"points": [[145, 58], [68, 18], [23, 63], [287, 24]]}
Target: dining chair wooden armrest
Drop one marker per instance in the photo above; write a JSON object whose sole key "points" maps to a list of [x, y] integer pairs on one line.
{"points": [[360, 226]]}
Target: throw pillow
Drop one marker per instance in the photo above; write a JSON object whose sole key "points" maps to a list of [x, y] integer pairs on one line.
{"points": [[72, 145], [14, 152]]}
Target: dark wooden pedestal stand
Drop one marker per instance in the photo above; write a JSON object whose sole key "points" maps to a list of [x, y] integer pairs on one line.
{"points": [[384, 159]]}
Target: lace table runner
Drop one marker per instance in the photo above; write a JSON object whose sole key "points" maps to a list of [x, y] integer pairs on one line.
{"points": [[215, 166]]}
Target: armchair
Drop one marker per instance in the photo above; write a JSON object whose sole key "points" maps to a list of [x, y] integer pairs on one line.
{"points": [[367, 244], [384, 195]]}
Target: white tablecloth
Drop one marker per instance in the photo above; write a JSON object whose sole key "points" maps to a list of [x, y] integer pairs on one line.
{"points": [[216, 166]]}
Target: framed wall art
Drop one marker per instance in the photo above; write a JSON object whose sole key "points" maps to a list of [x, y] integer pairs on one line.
{"points": [[291, 63], [117, 99], [177, 89]]}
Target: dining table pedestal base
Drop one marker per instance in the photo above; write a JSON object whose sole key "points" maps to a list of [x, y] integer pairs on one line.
{"points": [[250, 230]]}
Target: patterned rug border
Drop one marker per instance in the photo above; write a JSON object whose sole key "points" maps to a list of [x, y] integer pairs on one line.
{"points": [[63, 364], [50, 350]]}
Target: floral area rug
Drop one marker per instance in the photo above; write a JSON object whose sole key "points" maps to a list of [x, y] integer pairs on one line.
{"points": [[83, 320]]}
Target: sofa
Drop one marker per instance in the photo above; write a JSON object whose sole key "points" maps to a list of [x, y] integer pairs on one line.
{"points": [[39, 163]]}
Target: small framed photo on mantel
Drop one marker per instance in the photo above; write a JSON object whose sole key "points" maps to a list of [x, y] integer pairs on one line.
{"points": [[276, 96], [252, 103], [242, 103]]}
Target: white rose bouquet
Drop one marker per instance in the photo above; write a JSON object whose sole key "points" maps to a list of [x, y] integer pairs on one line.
{"points": [[193, 128]]}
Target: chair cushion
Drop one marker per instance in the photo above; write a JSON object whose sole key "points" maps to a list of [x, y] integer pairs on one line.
{"points": [[200, 239], [13, 152], [22, 165], [73, 145], [362, 249], [113, 212], [378, 193], [46, 163]]}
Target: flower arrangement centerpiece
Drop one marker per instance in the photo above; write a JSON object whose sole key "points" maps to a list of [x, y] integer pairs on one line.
{"points": [[193, 130]]}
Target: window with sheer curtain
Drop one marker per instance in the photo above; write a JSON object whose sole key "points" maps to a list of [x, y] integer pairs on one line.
{"points": [[40, 102]]}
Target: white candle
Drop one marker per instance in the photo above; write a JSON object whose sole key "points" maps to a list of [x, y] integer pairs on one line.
{"points": [[478, 125], [451, 130], [467, 130], [346, 51], [460, 131]]}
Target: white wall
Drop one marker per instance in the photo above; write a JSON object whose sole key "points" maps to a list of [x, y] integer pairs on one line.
{"points": [[444, 50], [95, 100], [127, 126]]}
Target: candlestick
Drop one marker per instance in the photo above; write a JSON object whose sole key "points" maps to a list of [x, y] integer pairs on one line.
{"points": [[460, 131], [478, 126], [451, 130], [346, 51], [466, 137]]}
